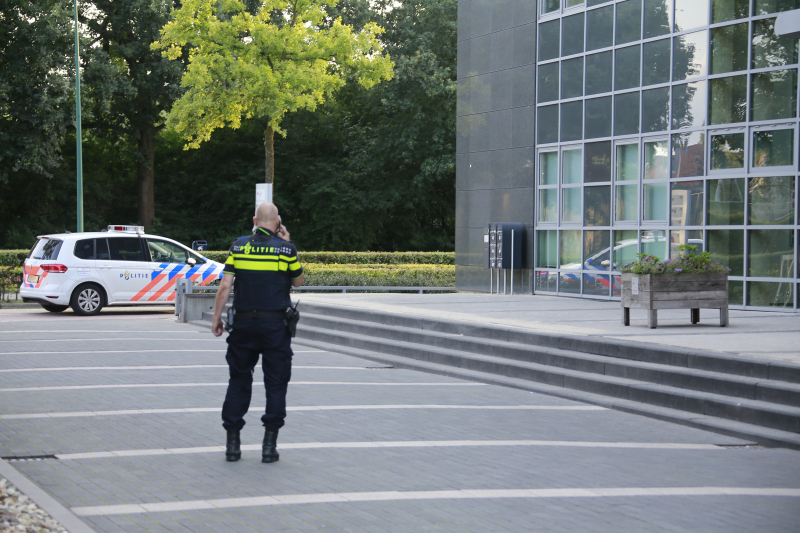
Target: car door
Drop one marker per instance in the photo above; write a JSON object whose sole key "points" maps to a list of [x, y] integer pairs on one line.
{"points": [[124, 270], [169, 262]]}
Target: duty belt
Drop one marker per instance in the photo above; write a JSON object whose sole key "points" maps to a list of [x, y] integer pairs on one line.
{"points": [[242, 314]]}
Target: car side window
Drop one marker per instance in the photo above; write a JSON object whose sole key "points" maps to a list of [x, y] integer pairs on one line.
{"points": [[101, 252], [125, 249], [166, 252], [84, 249]]}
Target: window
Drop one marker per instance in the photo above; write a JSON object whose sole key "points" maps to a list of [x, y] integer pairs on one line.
{"points": [[769, 50], [655, 201], [84, 249], [571, 211], [656, 63], [729, 48], [47, 249], [597, 206], [600, 28], [655, 160], [546, 254], [626, 69], [690, 14], [727, 151], [770, 253], [655, 109], [547, 124], [626, 113], [765, 7], [166, 252], [654, 242], [626, 246], [629, 21], [774, 95], [657, 17], [726, 247], [627, 194], [548, 40], [125, 249], [689, 55], [598, 73], [689, 105], [771, 201], [773, 148], [687, 154], [572, 121], [597, 162], [725, 204], [727, 101], [725, 10], [572, 35], [598, 118], [572, 78], [548, 6], [687, 204], [548, 82]]}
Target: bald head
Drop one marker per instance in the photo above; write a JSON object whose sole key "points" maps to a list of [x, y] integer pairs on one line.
{"points": [[266, 216]]}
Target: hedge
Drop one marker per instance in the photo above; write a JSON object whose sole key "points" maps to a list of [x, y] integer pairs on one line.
{"points": [[13, 258], [322, 275], [364, 258], [10, 280]]}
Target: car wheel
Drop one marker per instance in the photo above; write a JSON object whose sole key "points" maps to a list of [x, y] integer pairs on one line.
{"points": [[54, 308], [87, 300]]}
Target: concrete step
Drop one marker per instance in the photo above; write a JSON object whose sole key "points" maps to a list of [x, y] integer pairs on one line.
{"points": [[751, 432], [620, 349], [675, 376], [780, 417]]}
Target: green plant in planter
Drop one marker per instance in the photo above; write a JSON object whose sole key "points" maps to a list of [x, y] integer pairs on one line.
{"points": [[689, 262]]}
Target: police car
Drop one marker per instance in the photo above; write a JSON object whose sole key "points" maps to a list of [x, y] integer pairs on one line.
{"points": [[118, 266]]}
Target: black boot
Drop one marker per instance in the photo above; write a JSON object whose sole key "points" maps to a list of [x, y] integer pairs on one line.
{"points": [[233, 451], [269, 451]]}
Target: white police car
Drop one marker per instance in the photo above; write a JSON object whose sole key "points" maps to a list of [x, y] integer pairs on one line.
{"points": [[120, 266]]}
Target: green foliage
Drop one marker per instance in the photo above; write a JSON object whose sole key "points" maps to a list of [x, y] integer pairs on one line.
{"points": [[277, 59], [363, 258], [379, 275], [13, 258], [689, 262], [10, 280]]}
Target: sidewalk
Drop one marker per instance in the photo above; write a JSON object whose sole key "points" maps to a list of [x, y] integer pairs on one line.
{"points": [[765, 335]]}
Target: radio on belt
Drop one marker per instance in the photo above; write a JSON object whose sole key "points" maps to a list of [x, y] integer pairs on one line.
{"points": [[502, 249]]}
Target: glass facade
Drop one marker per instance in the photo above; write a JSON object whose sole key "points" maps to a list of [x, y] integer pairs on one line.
{"points": [[661, 123]]}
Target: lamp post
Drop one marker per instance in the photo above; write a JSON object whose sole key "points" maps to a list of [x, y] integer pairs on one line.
{"points": [[79, 146]]}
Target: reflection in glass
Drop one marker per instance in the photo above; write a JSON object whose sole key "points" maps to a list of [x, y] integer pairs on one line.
{"points": [[655, 160], [599, 28], [597, 250], [691, 237], [546, 281], [548, 168], [726, 202], [654, 242], [549, 6], [689, 105], [548, 40], [770, 253], [769, 294], [726, 247], [735, 292], [687, 204], [629, 21], [655, 201], [570, 283], [769, 50], [626, 246], [572, 161], [570, 253], [547, 124], [627, 167], [548, 205], [572, 78], [597, 206], [727, 100], [773, 148], [572, 121], [548, 82], [687, 154], [725, 10], [598, 73], [596, 284], [627, 203], [765, 7], [657, 18], [689, 55], [727, 151], [572, 3], [690, 14], [656, 62], [626, 113], [598, 118], [590, 3], [546, 249], [626, 68], [597, 161], [572, 36], [729, 48], [771, 200], [655, 109], [571, 211], [774, 95]]}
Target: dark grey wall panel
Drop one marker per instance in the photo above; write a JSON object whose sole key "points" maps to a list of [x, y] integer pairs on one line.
{"points": [[502, 50], [462, 169], [500, 129], [480, 170], [472, 278], [480, 94], [479, 132], [463, 106], [512, 205], [512, 169], [502, 89], [481, 17], [462, 134], [480, 58], [464, 21], [470, 248], [503, 14], [463, 57], [524, 51], [524, 92], [522, 127], [524, 11]]}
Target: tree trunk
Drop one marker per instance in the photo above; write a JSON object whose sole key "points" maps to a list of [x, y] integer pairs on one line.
{"points": [[145, 177], [269, 156]]}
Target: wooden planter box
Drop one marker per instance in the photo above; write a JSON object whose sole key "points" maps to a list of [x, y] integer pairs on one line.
{"points": [[674, 291]]}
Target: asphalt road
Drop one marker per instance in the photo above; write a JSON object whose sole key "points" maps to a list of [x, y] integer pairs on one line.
{"points": [[118, 417]]}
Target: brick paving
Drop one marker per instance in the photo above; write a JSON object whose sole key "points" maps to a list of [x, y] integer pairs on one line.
{"points": [[389, 475]]}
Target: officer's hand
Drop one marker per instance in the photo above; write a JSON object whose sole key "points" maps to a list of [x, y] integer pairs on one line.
{"points": [[283, 233], [216, 327]]}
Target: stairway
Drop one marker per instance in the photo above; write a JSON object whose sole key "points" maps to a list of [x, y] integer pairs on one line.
{"points": [[742, 397]]}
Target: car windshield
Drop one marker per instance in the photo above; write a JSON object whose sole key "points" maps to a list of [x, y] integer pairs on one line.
{"points": [[46, 249]]}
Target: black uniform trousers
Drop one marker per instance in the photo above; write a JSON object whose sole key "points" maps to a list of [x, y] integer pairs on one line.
{"points": [[249, 338]]}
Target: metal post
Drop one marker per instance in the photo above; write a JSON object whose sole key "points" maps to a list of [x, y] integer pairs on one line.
{"points": [[512, 262], [505, 276], [79, 147], [491, 281]]}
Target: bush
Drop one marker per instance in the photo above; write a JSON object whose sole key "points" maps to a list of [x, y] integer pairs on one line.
{"points": [[13, 258], [10, 280], [689, 262], [363, 258], [322, 275]]}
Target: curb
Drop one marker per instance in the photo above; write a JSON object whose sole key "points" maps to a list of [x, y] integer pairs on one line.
{"points": [[19, 306], [47, 503]]}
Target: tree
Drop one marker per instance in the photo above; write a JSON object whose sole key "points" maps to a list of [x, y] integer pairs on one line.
{"points": [[129, 87], [263, 61]]}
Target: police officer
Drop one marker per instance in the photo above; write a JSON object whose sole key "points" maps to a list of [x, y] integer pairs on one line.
{"points": [[261, 268]]}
